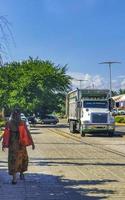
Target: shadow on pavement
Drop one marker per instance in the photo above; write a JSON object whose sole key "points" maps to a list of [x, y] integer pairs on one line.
{"points": [[62, 162], [50, 187]]}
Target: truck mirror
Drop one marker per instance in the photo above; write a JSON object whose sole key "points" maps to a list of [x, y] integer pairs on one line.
{"points": [[111, 104]]}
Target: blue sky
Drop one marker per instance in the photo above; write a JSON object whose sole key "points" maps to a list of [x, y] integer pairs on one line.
{"points": [[80, 33]]}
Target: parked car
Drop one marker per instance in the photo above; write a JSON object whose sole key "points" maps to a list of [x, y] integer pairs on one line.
{"points": [[24, 118], [114, 112], [32, 120], [50, 119], [121, 112]]}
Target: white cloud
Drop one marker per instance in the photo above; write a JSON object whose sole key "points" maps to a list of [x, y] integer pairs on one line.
{"points": [[123, 84], [121, 76], [119, 83], [81, 80], [87, 80]]}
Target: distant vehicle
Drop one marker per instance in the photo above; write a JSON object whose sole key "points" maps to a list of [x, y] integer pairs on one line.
{"points": [[34, 120], [121, 112], [50, 119], [114, 112], [24, 118]]}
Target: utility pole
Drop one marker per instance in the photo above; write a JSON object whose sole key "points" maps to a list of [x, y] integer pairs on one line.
{"points": [[80, 82], [110, 73]]}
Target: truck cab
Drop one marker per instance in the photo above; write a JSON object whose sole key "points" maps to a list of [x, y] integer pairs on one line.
{"points": [[96, 117]]}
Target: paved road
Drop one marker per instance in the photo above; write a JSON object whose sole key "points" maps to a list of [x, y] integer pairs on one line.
{"points": [[65, 167]]}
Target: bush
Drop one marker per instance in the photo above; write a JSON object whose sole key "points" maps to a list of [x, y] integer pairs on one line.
{"points": [[2, 122], [120, 119]]}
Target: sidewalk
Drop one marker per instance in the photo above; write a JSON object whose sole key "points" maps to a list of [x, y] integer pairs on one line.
{"points": [[120, 124], [61, 168], [34, 187]]}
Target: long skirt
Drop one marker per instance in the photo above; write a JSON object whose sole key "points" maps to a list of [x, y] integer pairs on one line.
{"points": [[17, 158]]}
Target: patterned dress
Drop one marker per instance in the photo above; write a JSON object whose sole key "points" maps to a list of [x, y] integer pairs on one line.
{"points": [[17, 154]]}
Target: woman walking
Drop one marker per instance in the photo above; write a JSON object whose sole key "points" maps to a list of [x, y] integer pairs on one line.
{"points": [[17, 152]]}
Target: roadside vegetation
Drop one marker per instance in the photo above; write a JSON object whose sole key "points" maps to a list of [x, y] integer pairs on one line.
{"points": [[34, 85], [120, 119], [2, 122]]}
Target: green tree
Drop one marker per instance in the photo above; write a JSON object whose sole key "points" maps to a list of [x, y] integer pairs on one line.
{"points": [[122, 91], [114, 93], [34, 85]]}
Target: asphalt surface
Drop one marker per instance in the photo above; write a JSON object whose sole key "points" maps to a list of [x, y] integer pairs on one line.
{"points": [[65, 167]]}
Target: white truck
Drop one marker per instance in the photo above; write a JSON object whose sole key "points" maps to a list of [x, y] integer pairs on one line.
{"points": [[89, 111]]}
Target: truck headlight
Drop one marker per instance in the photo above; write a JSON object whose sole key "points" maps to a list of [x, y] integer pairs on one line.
{"points": [[111, 127]]}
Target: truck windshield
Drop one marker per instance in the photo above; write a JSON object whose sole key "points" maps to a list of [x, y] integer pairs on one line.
{"points": [[95, 104]]}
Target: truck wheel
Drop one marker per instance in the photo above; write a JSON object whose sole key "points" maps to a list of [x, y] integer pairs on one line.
{"points": [[72, 127], [81, 132], [111, 134]]}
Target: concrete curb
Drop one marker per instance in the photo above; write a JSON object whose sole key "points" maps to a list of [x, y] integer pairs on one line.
{"points": [[119, 124]]}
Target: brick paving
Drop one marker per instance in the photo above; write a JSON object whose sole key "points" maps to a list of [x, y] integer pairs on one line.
{"points": [[64, 169]]}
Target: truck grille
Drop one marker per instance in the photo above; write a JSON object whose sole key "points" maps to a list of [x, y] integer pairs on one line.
{"points": [[99, 117]]}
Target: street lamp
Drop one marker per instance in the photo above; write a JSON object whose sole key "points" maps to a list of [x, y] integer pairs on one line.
{"points": [[80, 82], [110, 74]]}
